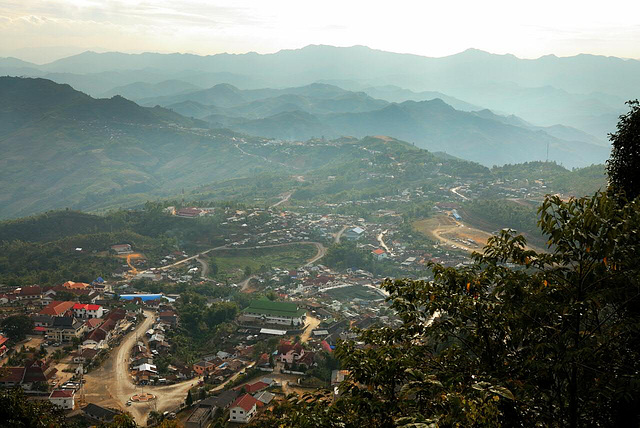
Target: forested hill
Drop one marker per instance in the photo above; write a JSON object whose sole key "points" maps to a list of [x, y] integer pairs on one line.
{"points": [[26, 101]]}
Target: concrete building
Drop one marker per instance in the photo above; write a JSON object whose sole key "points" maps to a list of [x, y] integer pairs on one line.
{"points": [[354, 234], [244, 409], [63, 398], [85, 311], [283, 313], [200, 417]]}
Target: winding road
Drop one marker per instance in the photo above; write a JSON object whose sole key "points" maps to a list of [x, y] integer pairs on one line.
{"points": [[111, 384]]}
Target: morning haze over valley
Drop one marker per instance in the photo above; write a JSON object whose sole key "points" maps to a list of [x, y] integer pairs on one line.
{"points": [[225, 214]]}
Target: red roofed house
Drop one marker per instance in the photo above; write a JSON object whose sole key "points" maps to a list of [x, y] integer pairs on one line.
{"points": [[29, 293], [289, 352], [92, 324], [84, 310], [63, 398], [57, 308], [244, 409], [255, 387], [379, 254]]}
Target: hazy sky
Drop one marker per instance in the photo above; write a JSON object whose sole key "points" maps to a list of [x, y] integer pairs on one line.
{"points": [[42, 30]]}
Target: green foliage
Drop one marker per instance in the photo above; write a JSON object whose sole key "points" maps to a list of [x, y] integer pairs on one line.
{"points": [[623, 166], [504, 214], [16, 327], [17, 411], [189, 400], [347, 255], [519, 338]]}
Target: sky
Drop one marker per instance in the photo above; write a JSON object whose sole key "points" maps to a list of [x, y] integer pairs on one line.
{"points": [[44, 30]]}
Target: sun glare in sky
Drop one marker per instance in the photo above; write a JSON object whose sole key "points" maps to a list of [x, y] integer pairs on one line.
{"points": [[42, 30]]}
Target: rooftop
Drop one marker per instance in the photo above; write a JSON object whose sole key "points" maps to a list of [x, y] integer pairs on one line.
{"points": [[245, 402]]}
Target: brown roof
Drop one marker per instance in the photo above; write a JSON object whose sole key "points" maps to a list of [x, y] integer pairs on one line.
{"points": [[56, 308], [75, 285], [12, 374], [93, 322], [31, 290]]}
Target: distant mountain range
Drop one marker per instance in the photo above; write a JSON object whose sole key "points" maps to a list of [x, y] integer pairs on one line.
{"points": [[326, 110], [586, 92], [62, 148]]}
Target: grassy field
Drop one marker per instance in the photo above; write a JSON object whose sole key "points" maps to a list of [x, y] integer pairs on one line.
{"points": [[232, 263], [347, 294]]}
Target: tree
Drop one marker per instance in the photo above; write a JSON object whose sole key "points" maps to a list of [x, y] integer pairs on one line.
{"points": [[17, 411], [519, 338], [247, 271], [189, 400], [623, 166], [123, 420], [213, 268], [16, 327]]}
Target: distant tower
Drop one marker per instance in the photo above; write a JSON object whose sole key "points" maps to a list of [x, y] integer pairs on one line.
{"points": [[547, 151]]}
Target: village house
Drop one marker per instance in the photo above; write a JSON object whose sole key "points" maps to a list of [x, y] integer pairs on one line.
{"points": [[99, 337], [244, 409], [200, 417], [65, 329], [85, 311], [379, 254], [32, 292], [92, 323], [288, 352], [99, 413], [71, 285], [33, 371], [63, 398], [57, 308], [204, 367], [83, 356], [122, 248], [168, 317], [190, 212]]}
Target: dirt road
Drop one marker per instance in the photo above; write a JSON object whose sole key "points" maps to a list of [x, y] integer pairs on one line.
{"points": [[111, 384], [339, 234], [313, 323], [284, 198], [205, 267], [455, 192]]}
